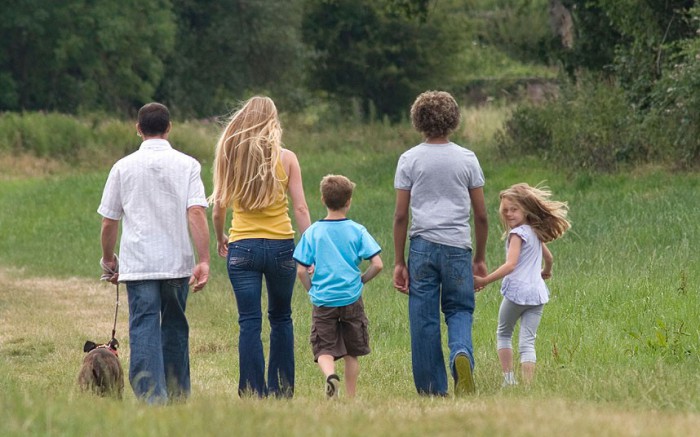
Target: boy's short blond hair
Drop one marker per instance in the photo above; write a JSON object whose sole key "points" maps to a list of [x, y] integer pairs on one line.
{"points": [[336, 191], [435, 114]]}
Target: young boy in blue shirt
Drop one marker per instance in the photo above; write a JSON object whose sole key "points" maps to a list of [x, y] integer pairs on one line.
{"points": [[333, 248]]}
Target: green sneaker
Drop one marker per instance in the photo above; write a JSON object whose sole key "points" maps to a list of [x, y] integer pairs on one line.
{"points": [[464, 380]]}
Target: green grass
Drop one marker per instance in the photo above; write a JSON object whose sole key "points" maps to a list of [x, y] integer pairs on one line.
{"points": [[618, 349]]}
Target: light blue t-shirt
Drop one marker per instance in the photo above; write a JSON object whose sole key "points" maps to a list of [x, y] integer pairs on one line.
{"points": [[524, 285], [336, 248], [439, 177]]}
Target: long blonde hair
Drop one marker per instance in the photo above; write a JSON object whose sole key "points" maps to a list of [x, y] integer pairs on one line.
{"points": [[546, 217], [246, 156]]}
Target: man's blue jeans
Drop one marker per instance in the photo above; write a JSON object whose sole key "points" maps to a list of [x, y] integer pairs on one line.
{"points": [[248, 261], [159, 366], [440, 277]]}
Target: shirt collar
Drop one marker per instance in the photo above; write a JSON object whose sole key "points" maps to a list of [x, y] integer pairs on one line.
{"points": [[155, 144]]}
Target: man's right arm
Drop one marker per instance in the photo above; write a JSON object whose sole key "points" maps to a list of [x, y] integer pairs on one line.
{"points": [[199, 230], [108, 237]]}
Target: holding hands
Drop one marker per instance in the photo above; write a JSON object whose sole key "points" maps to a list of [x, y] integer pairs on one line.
{"points": [[479, 283]]}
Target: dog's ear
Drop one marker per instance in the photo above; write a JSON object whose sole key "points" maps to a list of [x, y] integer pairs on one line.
{"points": [[89, 345], [113, 344]]}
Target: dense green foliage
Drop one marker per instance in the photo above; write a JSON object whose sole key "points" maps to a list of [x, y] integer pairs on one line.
{"points": [[368, 58], [631, 94], [228, 49], [82, 55], [376, 56]]}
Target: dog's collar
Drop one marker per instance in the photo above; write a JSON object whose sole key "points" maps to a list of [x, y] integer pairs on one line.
{"points": [[106, 346]]}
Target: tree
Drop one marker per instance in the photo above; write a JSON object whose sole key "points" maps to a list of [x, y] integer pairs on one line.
{"points": [[26, 53], [518, 28], [631, 38], [82, 54], [229, 49], [376, 53], [632, 97]]}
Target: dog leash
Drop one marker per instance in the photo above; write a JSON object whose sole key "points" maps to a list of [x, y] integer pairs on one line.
{"points": [[116, 311], [106, 276]]}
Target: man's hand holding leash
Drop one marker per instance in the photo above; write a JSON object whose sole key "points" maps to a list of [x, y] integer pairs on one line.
{"points": [[110, 270]]}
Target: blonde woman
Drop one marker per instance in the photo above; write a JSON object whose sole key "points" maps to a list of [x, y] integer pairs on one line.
{"points": [[255, 176]]}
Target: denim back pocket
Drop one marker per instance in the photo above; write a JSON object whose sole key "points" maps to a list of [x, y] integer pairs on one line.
{"points": [[459, 264], [240, 257], [285, 262]]}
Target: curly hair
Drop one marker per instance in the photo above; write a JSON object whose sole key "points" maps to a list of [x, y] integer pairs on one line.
{"points": [[546, 217], [435, 114]]}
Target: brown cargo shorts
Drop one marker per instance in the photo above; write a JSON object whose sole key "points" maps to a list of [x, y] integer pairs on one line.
{"points": [[340, 331]]}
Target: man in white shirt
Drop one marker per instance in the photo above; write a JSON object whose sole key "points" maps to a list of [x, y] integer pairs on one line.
{"points": [[158, 195]]}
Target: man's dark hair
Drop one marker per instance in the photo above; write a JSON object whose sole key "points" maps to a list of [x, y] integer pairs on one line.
{"points": [[154, 119]]}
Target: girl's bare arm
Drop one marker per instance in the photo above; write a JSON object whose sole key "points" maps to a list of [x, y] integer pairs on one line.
{"points": [[548, 261]]}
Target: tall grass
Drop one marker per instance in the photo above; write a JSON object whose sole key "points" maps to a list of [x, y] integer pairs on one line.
{"points": [[618, 348]]}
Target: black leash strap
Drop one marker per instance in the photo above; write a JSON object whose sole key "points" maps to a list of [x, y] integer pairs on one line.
{"points": [[116, 311], [107, 274]]}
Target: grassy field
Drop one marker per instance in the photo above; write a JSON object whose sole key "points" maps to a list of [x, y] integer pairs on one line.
{"points": [[618, 348]]}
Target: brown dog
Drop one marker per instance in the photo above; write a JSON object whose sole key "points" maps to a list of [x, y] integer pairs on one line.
{"points": [[101, 372]]}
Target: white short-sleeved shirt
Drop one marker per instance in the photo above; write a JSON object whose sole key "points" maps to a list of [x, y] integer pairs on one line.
{"points": [[150, 191], [439, 177], [524, 285]]}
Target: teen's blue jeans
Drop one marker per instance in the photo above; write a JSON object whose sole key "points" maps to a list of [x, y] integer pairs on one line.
{"points": [[159, 366], [249, 261], [440, 278]]}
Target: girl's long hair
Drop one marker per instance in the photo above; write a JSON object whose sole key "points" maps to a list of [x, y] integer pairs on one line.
{"points": [[246, 157], [546, 217]]}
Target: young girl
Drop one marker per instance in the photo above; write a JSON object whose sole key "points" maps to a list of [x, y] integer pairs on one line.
{"points": [[530, 220], [254, 176]]}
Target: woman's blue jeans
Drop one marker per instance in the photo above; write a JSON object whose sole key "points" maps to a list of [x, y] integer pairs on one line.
{"points": [[159, 366], [440, 278], [249, 261]]}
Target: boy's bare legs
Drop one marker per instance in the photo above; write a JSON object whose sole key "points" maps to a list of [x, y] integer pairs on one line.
{"points": [[352, 371], [327, 364]]}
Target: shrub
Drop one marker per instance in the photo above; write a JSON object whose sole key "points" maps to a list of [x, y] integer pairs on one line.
{"points": [[590, 127], [92, 141], [43, 134], [675, 119]]}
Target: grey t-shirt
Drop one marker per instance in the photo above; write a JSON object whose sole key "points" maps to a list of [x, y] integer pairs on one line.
{"points": [[439, 177]]}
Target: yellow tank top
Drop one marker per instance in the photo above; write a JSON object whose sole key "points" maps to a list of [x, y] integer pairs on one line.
{"points": [[272, 222]]}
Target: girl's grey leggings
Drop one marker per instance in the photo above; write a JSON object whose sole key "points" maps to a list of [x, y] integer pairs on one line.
{"points": [[530, 316]]}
